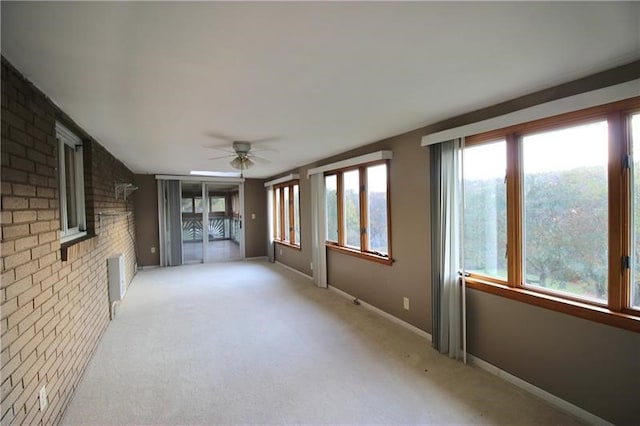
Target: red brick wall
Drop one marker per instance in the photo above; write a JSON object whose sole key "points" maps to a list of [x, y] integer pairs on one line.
{"points": [[52, 312]]}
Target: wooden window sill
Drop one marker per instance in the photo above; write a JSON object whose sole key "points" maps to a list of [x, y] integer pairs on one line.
{"points": [[73, 249], [385, 260], [286, 244], [627, 320]]}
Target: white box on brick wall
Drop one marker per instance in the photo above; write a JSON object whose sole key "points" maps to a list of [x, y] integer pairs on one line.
{"points": [[117, 283]]}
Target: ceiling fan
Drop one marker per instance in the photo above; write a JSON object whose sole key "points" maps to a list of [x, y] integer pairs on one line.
{"points": [[243, 156]]}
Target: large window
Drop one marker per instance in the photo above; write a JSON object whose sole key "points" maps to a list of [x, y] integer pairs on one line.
{"points": [[357, 211], [551, 216], [286, 204], [71, 185], [564, 210]]}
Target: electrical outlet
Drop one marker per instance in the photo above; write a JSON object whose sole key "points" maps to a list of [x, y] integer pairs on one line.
{"points": [[405, 302], [253, 216], [42, 397], [280, 252], [311, 266], [153, 249]]}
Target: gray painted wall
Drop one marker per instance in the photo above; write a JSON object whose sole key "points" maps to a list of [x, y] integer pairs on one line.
{"points": [[594, 366], [146, 212], [591, 365]]}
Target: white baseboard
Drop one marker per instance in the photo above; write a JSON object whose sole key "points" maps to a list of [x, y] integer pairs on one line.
{"points": [[382, 313], [542, 394], [145, 267], [256, 258], [309, 277]]}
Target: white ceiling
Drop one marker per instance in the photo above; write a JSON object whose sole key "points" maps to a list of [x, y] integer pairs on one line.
{"points": [[152, 81]]}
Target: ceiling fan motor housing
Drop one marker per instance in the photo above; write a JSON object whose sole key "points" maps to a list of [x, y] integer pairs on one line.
{"points": [[241, 147]]}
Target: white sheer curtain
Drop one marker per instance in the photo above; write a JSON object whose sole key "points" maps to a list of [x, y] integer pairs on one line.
{"points": [[318, 230], [448, 296]]}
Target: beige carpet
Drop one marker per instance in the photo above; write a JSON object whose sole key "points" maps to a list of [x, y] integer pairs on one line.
{"points": [[251, 342]]}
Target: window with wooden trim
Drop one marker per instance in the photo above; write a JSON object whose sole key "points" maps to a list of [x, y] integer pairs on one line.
{"points": [[286, 204], [550, 213], [71, 185], [357, 210]]}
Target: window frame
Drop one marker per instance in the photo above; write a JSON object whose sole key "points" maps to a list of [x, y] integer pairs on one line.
{"points": [[617, 310], [64, 138], [340, 245], [280, 235]]}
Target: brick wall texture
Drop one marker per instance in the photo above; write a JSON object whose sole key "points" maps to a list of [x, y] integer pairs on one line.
{"points": [[52, 312]]}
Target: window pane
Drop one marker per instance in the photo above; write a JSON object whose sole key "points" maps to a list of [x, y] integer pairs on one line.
{"points": [[377, 208], [565, 229], [70, 186], [235, 204], [285, 212], [331, 205], [635, 149], [187, 205], [278, 235], [217, 204], [296, 214], [351, 202], [485, 209], [198, 204]]}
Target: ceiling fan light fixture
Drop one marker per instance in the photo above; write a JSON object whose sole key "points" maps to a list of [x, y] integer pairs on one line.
{"points": [[241, 163]]}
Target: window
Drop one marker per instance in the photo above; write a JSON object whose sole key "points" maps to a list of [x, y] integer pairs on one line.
{"points": [[351, 205], [485, 209], [71, 185], [192, 204], [286, 203], [357, 211], [560, 227], [634, 123], [564, 210], [187, 205], [217, 204], [331, 206]]}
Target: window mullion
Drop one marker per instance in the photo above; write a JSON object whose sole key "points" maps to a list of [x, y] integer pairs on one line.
{"points": [[619, 230], [514, 212]]}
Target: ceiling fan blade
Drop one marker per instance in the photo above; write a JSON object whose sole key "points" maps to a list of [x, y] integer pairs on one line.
{"points": [[222, 156], [263, 140], [273, 150], [220, 136], [259, 159], [223, 148]]}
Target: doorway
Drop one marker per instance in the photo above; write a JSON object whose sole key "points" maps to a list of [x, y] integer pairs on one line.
{"points": [[223, 219], [201, 221]]}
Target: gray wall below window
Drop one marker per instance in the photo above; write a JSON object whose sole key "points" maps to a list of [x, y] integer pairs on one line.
{"points": [[589, 364]]}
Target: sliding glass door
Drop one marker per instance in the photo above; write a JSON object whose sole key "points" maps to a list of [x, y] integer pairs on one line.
{"points": [[192, 210]]}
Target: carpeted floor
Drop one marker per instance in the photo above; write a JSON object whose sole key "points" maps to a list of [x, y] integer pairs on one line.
{"points": [[251, 342]]}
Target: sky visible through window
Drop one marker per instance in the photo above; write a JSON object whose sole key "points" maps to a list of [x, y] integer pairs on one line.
{"points": [[558, 150]]}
